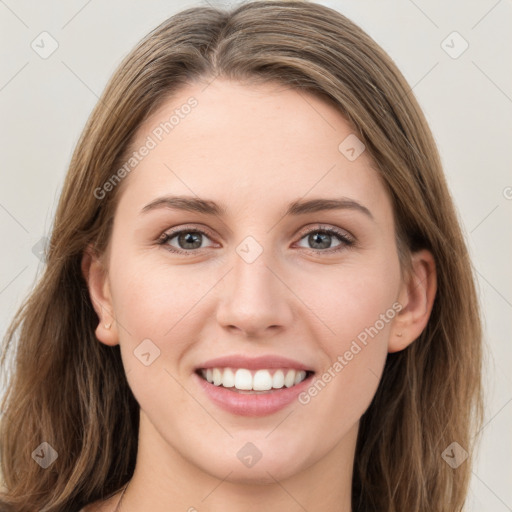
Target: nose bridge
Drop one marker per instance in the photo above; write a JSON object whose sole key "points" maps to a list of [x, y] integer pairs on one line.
{"points": [[253, 298]]}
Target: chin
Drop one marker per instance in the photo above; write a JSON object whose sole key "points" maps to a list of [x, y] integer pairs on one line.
{"points": [[249, 465]]}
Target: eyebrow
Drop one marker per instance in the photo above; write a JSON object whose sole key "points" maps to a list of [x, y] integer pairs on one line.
{"points": [[295, 208]]}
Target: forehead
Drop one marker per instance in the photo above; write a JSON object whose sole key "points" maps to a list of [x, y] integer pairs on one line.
{"points": [[249, 147]]}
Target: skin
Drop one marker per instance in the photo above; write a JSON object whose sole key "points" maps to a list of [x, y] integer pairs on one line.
{"points": [[253, 149]]}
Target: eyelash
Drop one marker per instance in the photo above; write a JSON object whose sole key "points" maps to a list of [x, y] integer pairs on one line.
{"points": [[346, 240]]}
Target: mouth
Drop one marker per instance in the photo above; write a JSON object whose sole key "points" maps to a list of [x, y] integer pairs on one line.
{"points": [[260, 381], [253, 386]]}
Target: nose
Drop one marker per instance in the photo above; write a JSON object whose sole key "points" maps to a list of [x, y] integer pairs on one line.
{"points": [[255, 300]]}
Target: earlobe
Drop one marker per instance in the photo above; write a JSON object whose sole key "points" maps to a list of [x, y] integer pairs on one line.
{"points": [[416, 297], [97, 281]]}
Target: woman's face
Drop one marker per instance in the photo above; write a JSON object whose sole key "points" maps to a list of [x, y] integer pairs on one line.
{"points": [[249, 290]]}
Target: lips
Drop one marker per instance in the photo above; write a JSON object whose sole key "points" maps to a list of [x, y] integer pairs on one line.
{"points": [[254, 363], [253, 386]]}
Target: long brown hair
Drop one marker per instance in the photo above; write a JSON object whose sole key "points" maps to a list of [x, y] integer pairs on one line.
{"points": [[69, 390]]}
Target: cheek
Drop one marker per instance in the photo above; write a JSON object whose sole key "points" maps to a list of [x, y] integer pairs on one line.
{"points": [[150, 299], [353, 300], [357, 310], [153, 307]]}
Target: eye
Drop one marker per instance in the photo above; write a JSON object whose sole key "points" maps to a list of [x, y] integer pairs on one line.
{"points": [[188, 240], [321, 238]]}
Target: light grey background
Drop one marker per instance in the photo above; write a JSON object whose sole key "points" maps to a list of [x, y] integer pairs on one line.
{"points": [[467, 100]]}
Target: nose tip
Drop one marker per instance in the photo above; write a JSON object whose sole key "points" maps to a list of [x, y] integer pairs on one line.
{"points": [[253, 300]]}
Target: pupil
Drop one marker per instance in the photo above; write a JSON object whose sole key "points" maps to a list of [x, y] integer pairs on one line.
{"points": [[191, 238], [317, 238]]}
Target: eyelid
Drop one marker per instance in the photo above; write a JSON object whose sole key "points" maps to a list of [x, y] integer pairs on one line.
{"points": [[329, 229], [185, 227]]}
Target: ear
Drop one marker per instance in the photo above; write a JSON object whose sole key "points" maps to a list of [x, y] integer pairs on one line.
{"points": [[96, 276], [417, 294]]}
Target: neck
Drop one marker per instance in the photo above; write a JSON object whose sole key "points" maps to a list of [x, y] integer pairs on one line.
{"points": [[164, 480]]}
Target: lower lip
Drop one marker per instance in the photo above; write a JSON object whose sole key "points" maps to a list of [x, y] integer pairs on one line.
{"points": [[245, 404]]}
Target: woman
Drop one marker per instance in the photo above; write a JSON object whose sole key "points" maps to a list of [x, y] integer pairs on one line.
{"points": [[257, 293]]}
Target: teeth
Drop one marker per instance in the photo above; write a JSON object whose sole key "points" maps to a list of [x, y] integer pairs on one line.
{"points": [[260, 380], [228, 378], [289, 379], [217, 377], [299, 377], [243, 379], [278, 379]]}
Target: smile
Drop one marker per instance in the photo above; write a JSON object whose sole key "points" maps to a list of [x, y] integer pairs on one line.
{"points": [[243, 380]]}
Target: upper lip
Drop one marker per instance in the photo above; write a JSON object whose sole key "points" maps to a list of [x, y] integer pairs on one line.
{"points": [[253, 363]]}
